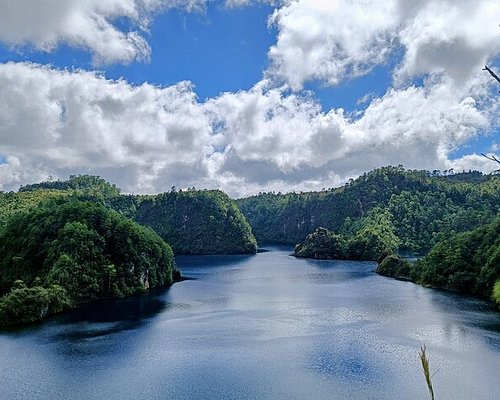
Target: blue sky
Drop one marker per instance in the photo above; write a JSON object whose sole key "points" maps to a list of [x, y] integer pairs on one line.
{"points": [[227, 50], [220, 50]]}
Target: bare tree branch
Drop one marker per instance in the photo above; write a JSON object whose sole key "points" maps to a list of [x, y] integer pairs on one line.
{"points": [[492, 158], [486, 68]]}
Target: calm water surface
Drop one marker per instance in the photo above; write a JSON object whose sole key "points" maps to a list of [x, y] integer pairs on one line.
{"points": [[261, 327]]}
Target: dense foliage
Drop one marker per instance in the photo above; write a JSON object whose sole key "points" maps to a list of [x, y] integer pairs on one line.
{"points": [[394, 265], [88, 184], [322, 244], [370, 238], [496, 293], [25, 305], [84, 187], [69, 252], [198, 222], [192, 221], [11, 203], [424, 206], [467, 262]]}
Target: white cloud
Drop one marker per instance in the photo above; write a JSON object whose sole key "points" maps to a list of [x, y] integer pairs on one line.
{"points": [[278, 140], [88, 24], [146, 139], [455, 38], [64, 122], [329, 41], [336, 40]]}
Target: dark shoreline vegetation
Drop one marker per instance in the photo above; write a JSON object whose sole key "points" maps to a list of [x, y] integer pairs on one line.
{"points": [[68, 252], [468, 263], [65, 243]]}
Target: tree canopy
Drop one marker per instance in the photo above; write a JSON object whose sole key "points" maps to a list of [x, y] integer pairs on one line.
{"points": [[66, 252], [424, 206]]}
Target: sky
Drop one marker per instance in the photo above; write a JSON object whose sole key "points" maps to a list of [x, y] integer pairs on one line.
{"points": [[245, 96]]}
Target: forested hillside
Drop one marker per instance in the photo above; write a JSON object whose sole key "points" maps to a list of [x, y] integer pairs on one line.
{"points": [[424, 207], [372, 237], [64, 243], [192, 221], [87, 184], [66, 252], [466, 262], [197, 222]]}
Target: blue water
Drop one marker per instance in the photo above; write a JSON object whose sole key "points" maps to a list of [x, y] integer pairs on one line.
{"points": [[267, 326]]}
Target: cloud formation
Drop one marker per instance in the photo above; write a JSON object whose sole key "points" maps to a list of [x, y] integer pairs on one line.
{"points": [[60, 121], [335, 40], [273, 136], [89, 24], [146, 139]]}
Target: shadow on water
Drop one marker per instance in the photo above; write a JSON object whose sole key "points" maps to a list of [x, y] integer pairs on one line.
{"points": [[100, 318], [348, 363], [473, 311], [337, 271], [135, 308], [211, 261], [107, 317]]}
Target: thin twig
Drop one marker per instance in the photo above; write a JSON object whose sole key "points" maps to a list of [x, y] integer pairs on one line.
{"points": [[486, 68], [492, 158]]}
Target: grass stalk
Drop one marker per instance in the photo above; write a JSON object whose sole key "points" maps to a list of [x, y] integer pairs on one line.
{"points": [[425, 366]]}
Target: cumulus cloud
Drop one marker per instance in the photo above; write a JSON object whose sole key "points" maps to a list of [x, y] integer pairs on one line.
{"points": [[270, 136], [88, 24], [334, 40], [273, 136], [329, 40], [146, 138], [64, 122]]}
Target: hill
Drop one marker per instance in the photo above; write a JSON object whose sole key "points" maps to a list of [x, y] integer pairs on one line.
{"points": [[192, 221], [466, 262], [67, 252], [424, 207], [197, 222]]}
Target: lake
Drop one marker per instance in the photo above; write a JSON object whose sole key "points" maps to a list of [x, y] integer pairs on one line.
{"points": [[267, 326]]}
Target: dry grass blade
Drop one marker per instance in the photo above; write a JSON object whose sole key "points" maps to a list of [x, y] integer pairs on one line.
{"points": [[425, 367]]}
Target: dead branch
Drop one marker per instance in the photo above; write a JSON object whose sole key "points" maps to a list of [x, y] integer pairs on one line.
{"points": [[492, 158], [486, 68]]}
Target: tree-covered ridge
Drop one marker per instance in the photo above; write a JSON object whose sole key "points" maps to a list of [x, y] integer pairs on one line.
{"points": [[370, 238], [88, 184], [11, 203], [192, 221], [198, 222], [66, 252], [424, 206], [466, 262], [88, 187]]}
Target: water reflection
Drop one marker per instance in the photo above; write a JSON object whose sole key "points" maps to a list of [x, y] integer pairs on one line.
{"points": [[350, 364], [261, 327], [136, 308]]}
